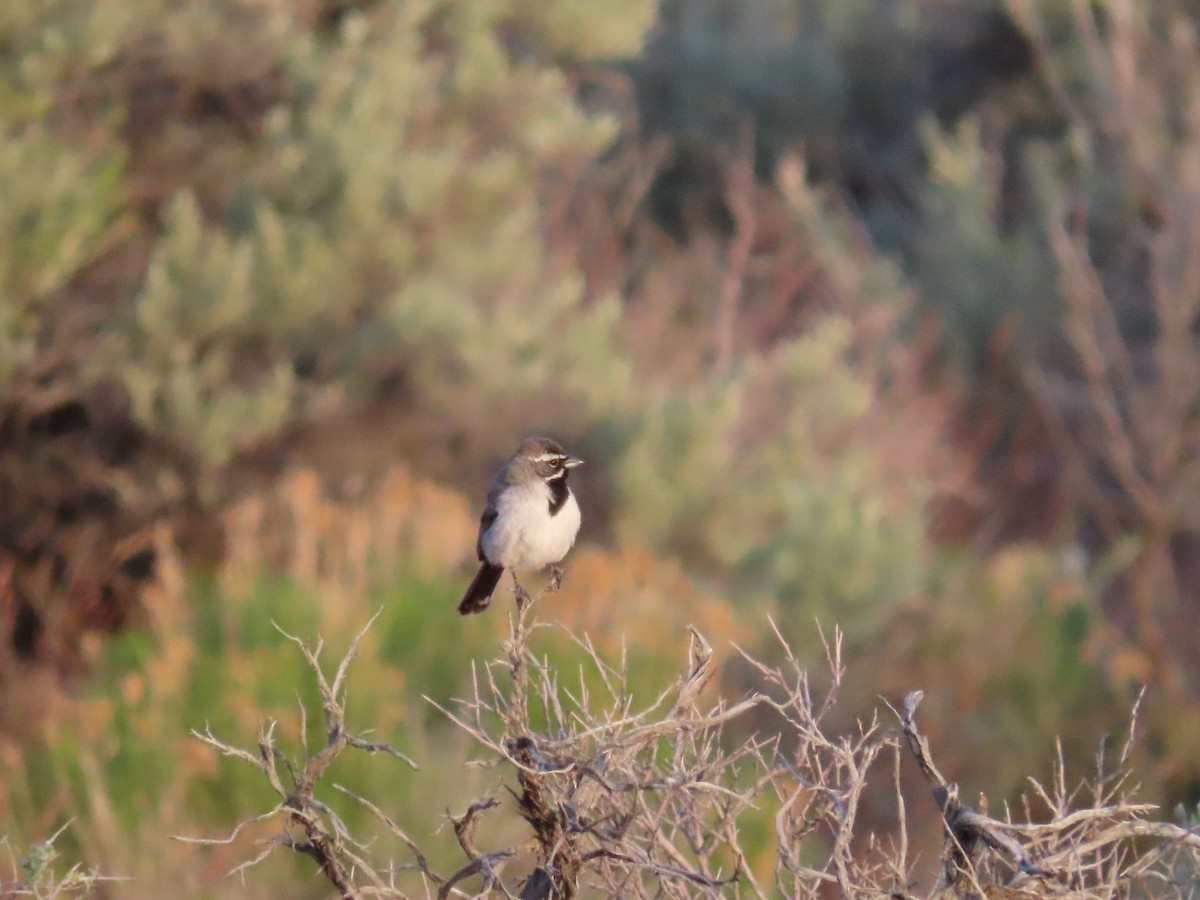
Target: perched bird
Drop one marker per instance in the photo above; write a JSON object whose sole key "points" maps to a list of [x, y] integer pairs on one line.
{"points": [[530, 520]]}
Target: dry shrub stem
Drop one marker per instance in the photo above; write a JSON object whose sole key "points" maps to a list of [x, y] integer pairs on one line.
{"points": [[1123, 409], [651, 802]]}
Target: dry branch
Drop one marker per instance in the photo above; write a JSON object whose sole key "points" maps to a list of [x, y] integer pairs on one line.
{"points": [[652, 802], [1079, 853], [310, 827]]}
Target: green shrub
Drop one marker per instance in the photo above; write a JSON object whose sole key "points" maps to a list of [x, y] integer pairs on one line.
{"points": [[978, 274]]}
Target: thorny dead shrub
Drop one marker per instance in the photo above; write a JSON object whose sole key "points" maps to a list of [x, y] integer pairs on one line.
{"points": [[653, 801]]}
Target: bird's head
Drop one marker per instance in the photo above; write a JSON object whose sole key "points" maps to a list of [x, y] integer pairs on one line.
{"points": [[539, 457]]}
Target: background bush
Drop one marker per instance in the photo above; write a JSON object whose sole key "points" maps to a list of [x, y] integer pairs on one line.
{"points": [[875, 319]]}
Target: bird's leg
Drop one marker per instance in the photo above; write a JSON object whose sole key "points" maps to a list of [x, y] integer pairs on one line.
{"points": [[522, 594], [556, 577]]}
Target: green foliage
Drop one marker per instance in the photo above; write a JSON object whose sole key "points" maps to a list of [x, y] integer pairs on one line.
{"points": [[773, 478], [976, 274], [757, 476], [38, 872], [59, 194], [840, 557], [61, 201], [437, 232], [17, 342], [198, 357], [56, 207], [387, 213], [571, 30]]}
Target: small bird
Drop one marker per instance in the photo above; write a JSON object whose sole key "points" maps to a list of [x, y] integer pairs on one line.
{"points": [[530, 520]]}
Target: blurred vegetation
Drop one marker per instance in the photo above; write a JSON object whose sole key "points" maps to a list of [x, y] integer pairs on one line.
{"points": [[875, 315]]}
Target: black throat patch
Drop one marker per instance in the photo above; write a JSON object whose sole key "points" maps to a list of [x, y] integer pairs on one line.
{"points": [[558, 493]]}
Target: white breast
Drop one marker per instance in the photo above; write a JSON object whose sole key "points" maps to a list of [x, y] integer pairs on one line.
{"points": [[525, 536]]}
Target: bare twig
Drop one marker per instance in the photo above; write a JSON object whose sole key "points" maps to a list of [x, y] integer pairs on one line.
{"points": [[652, 801]]}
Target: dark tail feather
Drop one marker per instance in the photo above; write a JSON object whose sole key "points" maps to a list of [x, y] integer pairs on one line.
{"points": [[479, 594]]}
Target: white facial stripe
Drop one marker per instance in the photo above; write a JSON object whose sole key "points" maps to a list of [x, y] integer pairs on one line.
{"points": [[558, 474], [548, 457]]}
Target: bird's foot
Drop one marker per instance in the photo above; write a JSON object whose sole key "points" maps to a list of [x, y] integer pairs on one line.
{"points": [[556, 577], [523, 596]]}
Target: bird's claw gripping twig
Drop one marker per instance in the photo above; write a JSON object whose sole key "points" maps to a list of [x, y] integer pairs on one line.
{"points": [[556, 578], [523, 596]]}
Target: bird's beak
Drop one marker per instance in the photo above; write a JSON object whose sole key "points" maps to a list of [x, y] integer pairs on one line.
{"points": [[571, 462]]}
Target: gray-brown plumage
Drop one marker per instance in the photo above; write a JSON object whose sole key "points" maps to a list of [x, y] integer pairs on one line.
{"points": [[530, 520]]}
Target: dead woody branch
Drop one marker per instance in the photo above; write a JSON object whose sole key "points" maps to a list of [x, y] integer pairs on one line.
{"points": [[310, 826], [616, 797], [1087, 851]]}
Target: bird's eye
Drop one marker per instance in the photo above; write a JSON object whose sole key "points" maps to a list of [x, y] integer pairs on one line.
{"points": [[556, 463]]}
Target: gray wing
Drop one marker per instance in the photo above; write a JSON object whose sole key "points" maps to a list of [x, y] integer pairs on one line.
{"points": [[489, 512]]}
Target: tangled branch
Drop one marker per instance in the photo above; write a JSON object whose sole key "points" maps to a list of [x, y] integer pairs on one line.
{"points": [[654, 799]]}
